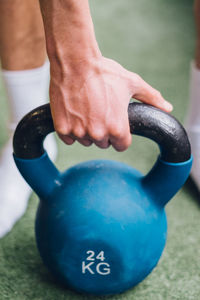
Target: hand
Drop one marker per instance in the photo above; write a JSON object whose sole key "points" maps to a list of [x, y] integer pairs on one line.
{"points": [[89, 104]]}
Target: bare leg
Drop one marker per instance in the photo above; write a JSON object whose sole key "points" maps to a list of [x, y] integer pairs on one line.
{"points": [[26, 77], [197, 21], [22, 41], [193, 116]]}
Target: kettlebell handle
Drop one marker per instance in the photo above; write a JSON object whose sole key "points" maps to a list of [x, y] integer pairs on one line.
{"points": [[145, 120]]}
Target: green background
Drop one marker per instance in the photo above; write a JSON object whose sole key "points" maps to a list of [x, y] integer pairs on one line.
{"points": [[155, 39]]}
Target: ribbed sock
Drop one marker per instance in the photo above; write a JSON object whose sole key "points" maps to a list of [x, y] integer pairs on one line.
{"points": [[26, 90]]}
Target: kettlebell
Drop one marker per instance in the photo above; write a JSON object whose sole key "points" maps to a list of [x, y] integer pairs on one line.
{"points": [[101, 226]]}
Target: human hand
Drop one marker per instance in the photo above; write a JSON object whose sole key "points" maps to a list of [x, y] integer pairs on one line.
{"points": [[90, 103], [89, 94]]}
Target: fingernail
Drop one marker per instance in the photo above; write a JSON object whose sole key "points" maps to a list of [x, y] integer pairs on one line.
{"points": [[168, 106]]}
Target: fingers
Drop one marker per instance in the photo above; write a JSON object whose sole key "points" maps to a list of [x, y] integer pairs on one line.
{"points": [[120, 139], [63, 127], [144, 92], [120, 136], [66, 139], [79, 133], [116, 134], [99, 136], [69, 138]]}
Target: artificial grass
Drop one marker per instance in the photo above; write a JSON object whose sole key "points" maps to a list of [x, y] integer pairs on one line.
{"points": [[155, 39]]}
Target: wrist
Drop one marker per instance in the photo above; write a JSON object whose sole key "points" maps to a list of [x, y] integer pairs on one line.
{"points": [[71, 54], [77, 69]]}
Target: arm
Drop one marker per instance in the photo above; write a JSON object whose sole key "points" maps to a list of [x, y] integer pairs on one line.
{"points": [[89, 94]]}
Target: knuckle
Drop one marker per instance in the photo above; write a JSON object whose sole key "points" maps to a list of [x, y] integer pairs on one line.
{"points": [[137, 78], [97, 135], [157, 94], [123, 144], [79, 132], [62, 130], [117, 131], [136, 82]]}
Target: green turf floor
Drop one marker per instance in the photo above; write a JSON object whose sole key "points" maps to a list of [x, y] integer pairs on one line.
{"points": [[156, 39]]}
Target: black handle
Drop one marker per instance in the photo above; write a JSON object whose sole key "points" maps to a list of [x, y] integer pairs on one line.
{"points": [[145, 120]]}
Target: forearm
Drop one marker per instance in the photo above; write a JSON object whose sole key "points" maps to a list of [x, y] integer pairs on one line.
{"points": [[69, 31], [89, 94]]}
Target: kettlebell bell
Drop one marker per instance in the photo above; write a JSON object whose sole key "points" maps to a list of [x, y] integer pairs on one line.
{"points": [[101, 226]]}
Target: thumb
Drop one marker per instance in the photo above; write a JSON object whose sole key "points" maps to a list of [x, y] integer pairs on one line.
{"points": [[143, 92]]}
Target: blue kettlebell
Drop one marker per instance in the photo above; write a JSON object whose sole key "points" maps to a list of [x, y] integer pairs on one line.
{"points": [[101, 225]]}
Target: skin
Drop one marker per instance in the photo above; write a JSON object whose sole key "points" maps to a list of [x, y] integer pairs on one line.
{"points": [[89, 94], [22, 40], [197, 22]]}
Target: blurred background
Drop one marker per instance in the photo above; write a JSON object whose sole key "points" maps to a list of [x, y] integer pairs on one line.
{"points": [[156, 40]]}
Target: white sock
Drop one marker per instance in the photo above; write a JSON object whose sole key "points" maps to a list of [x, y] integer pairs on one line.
{"points": [[193, 122], [26, 90]]}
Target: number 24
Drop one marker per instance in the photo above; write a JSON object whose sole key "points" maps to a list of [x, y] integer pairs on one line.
{"points": [[91, 254]]}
